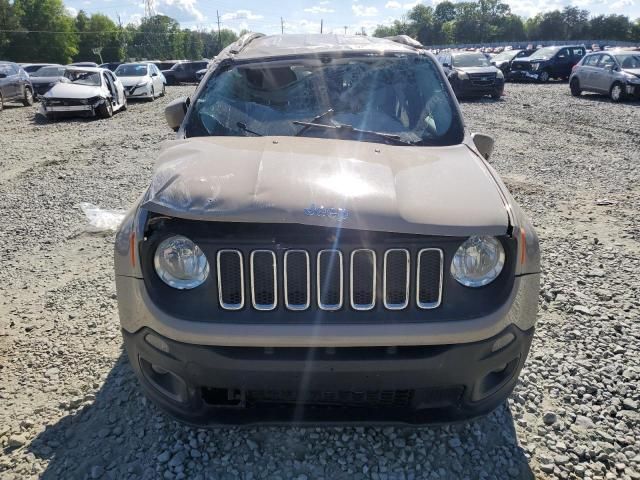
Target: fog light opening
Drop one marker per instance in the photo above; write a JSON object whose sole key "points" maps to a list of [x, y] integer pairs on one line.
{"points": [[157, 342], [164, 381], [503, 341]]}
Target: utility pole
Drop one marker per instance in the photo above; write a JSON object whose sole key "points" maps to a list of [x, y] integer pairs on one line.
{"points": [[282, 25], [321, 25], [149, 8], [219, 34], [345, 29]]}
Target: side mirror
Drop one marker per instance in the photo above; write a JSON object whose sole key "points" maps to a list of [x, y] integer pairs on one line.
{"points": [[484, 144], [154, 74], [176, 111], [446, 65], [608, 68]]}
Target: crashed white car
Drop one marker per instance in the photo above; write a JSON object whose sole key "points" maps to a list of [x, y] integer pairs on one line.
{"points": [[141, 80], [85, 91]]}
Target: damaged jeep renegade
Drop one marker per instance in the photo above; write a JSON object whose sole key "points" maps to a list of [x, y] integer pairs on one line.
{"points": [[325, 242]]}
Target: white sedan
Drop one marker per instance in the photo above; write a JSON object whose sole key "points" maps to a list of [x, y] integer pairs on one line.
{"points": [[85, 91], [141, 80]]}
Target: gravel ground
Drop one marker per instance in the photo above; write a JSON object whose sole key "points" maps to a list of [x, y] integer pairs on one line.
{"points": [[71, 407]]}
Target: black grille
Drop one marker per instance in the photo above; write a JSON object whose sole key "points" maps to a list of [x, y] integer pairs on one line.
{"points": [[263, 279], [330, 279], [297, 282], [230, 279], [429, 281], [482, 79], [396, 279], [382, 398], [363, 279]]}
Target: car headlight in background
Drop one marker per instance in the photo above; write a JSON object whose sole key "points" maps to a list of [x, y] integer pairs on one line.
{"points": [[478, 261], [535, 66], [463, 75], [500, 74], [180, 263]]}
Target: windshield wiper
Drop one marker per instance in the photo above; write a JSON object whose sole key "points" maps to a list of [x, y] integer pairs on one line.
{"points": [[350, 129], [314, 121], [244, 128]]}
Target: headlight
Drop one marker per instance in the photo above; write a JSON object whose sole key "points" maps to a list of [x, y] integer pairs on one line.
{"points": [[463, 75], [180, 263], [535, 66], [500, 74], [478, 261]]}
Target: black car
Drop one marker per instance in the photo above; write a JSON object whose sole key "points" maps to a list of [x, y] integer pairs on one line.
{"points": [[184, 72], [471, 74], [45, 78], [32, 68], [547, 63], [111, 65], [14, 84], [504, 59]]}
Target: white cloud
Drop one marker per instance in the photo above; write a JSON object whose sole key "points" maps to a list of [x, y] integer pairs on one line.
{"points": [[364, 11], [71, 11], [324, 2], [178, 9], [319, 9], [393, 4], [410, 5], [621, 4], [240, 15]]}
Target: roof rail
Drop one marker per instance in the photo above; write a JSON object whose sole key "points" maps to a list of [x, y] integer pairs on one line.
{"points": [[405, 40], [244, 41]]}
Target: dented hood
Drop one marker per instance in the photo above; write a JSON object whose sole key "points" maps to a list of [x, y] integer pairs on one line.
{"points": [[356, 185]]}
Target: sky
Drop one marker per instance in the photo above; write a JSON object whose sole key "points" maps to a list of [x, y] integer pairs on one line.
{"points": [[305, 16]]}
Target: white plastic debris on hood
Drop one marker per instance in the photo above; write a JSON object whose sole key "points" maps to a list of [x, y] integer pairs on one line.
{"points": [[100, 219]]}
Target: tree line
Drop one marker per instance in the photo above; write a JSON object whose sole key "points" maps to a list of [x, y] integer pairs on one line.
{"points": [[492, 21], [44, 31]]}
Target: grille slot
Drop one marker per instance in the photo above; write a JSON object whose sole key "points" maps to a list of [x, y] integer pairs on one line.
{"points": [[330, 279], [396, 279], [380, 398], [264, 280], [429, 278], [362, 285], [230, 279], [482, 79], [297, 280]]}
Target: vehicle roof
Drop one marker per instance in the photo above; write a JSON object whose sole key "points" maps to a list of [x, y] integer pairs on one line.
{"points": [[308, 44], [73, 68], [4, 62]]}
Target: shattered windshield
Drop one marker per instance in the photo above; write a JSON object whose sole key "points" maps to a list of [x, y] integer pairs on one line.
{"points": [[544, 53], [375, 98], [83, 78], [49, 72]]}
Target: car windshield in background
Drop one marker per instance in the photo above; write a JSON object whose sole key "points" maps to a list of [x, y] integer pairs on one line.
{"points": [[508, 56], [544, 53], [49, 72], [83, 78], [402, 98], [131, 71], [5, 69], [470, 60], [628, 60]]}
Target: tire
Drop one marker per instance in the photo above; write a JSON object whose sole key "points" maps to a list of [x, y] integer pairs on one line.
{"points": [[27, 101], [50, 117], [616, 93], [496, 95], [1, 103], [105, 110], [153, 95], [125, 105], [164, 90], [575, 87], [544, 76]]}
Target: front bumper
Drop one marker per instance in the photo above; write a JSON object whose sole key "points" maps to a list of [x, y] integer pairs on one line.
{"points": [[523, 75], [466, 88], [142, 91], [207, 385]]}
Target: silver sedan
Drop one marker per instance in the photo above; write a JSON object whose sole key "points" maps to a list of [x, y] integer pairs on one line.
{"points": [[614, 73]]}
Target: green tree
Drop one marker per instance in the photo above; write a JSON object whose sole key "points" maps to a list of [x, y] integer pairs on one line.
{"points": [[52, 36], [576, 23], [8, 21], [611, 27], [98, 31]]}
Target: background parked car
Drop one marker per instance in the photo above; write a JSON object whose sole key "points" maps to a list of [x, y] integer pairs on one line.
{"points": [[165, 64], [14, 84], [200, 74], [111, 65], [45, 78], [471, 74], [141, 80], [183, 72], [614, 73], [86, 91], [547, 63], [31, 68], [503, 60], [84, 64]]}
